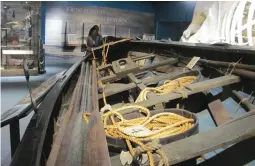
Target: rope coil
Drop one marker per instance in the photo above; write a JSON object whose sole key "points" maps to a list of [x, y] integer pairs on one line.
{"points": [[146, 128], [159, 126]]}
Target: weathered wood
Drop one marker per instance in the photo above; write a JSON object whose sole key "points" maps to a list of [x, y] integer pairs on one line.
{"points": [[192, 89], [132, 78], [38, 94], [228, 64], [14, 136], [222, 64], [52, 159], [43, 88], [162, 63], [112, 89], [96, 151], [140, 55], [104, 67], [213, 83], [109, 78], [243, 70], [243, 101], [235, 155], [34, 146], [218, 112], [141, 86], [144, 68], [202, 143], [245, 73], [64, 157], [252, 112]]}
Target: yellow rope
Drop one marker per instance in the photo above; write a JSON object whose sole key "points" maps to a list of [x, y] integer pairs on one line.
{"points": [[158, 126], [105, 52], [85, 116], [101, 85], [168, 87]]}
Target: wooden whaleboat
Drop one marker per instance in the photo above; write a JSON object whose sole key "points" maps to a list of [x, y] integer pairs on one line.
{"points": [[90, 113]]}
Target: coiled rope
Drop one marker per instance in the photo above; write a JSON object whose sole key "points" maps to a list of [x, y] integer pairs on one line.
{"points": [[168, 87], [145, 129], [148, 128]]}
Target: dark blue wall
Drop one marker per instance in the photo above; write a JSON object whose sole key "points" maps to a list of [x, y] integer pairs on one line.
{"points": [[171, 18], [128, 5]]}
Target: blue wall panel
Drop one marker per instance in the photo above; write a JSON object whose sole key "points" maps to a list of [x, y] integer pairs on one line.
{"points": [[178, 12], [174, 11], [128, 5], [165, 12]]}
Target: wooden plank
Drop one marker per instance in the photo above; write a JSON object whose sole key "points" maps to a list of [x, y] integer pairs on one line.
{"points": [[132, 77], [64, 158], [213, 83], [144, 68], [202, 143], [14, 136], [31, 149], [218, 112], [104, 67], [53, 156], [240, 154], [112, 90], [109, 78], [141, 86], [95, 150], [194, 88], [43, 88], [169, 61]]}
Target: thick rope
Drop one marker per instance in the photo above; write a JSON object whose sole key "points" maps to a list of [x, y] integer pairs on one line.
{"points": [[159, 126], [168, 87], [105, 52], [148, 128]]}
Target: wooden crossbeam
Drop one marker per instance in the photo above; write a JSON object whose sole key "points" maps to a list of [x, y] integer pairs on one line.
{"points": [[191, 89], [144, 68], [240, 129], [118, 88]]}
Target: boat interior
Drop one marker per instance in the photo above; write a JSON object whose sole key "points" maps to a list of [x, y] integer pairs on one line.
{"points": [[210, 86]]}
